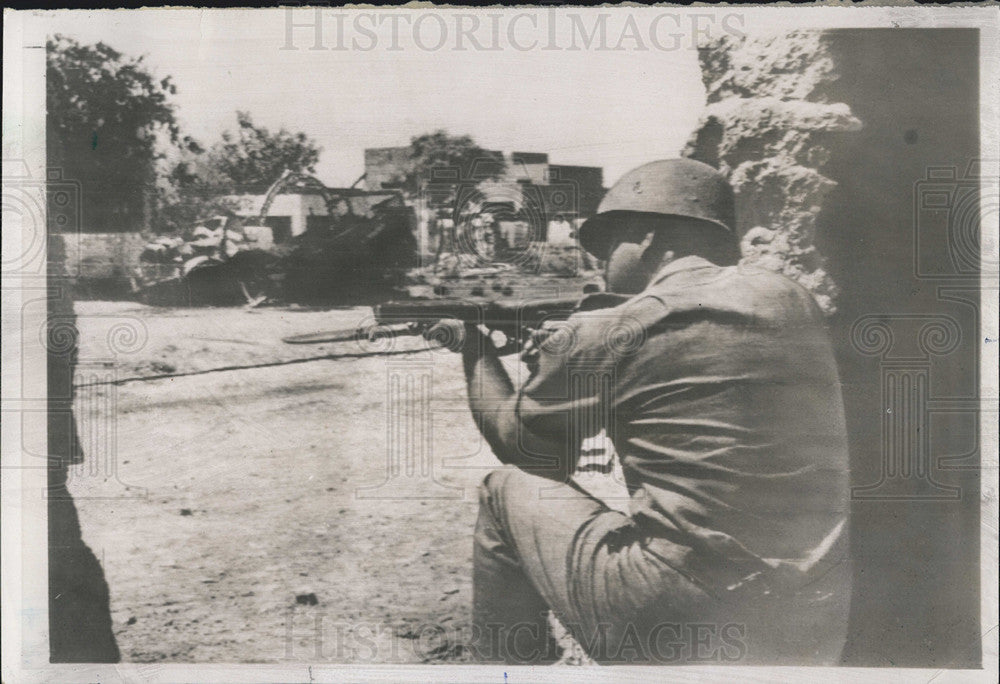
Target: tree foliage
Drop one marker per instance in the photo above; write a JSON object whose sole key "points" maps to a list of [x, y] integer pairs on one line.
{"points": [[255, 156], [441, 162], [111, 126], [250, 159], [106, 116], [189, 191]]}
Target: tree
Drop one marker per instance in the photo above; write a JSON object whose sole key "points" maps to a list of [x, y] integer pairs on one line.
{"points": [[254, 156], [443, 169], [107, 115], [196, 186], [440, 162], [190, 190]]}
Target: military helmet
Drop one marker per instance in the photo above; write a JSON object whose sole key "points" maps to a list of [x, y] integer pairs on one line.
{"points": [[671, 187]]}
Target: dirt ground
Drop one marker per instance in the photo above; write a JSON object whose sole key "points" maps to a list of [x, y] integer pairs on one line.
{"points": [[271, 514]]}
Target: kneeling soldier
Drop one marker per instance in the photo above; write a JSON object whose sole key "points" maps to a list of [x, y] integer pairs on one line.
{"points": [[718, 387]]}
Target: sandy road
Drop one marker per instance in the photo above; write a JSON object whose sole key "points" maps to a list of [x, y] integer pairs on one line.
{"points": [[239, 516]]}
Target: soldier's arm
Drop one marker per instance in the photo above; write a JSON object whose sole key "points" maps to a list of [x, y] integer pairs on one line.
{"points": [[493, 400]]}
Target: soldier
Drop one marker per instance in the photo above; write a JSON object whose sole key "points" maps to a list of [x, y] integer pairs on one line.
{"points": [[718, 387]]}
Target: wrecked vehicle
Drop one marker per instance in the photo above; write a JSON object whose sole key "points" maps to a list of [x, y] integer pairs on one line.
{"points": [[369, 240], [365, 238]]}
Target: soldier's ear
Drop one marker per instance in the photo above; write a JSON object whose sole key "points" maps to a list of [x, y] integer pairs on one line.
{"points": [[647, 254]]}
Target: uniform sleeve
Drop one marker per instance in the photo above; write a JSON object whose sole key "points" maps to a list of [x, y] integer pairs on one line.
{"points": [[571, 394]]}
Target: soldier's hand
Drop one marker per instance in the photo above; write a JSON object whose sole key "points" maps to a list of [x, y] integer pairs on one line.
{"points": [[532, 348]]}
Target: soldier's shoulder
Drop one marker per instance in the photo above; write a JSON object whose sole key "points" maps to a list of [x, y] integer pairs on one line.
{"points": [[750, 274], [746, 290], [768, 287]]}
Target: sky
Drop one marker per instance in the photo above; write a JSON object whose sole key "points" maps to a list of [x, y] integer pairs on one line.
{"points": [[611, 108]]}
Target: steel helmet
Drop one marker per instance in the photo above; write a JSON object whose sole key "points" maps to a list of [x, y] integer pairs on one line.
{"points": [[671, 187]]}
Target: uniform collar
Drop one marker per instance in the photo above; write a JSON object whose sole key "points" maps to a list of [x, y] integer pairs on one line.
{"points": [[686, 263]]}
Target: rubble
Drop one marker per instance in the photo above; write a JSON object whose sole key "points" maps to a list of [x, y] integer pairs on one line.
{"points": [[215, 237], [227, 262]]}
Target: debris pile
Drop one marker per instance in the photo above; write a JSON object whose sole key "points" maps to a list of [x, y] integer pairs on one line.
{"points": [[220, 262], [219, 237], [226, 262]]}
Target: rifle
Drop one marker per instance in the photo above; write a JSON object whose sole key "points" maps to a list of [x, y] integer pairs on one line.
{"points": [[515, 320]]}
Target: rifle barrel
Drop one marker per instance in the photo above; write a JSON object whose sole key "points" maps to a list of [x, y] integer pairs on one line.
{"points": [[352, 334]]}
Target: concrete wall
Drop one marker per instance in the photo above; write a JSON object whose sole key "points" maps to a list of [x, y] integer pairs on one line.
{"points": [[99, 256], [831, 140]]}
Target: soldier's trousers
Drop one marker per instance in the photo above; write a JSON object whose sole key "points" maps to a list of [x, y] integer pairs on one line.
{"points": [[543, 545]]}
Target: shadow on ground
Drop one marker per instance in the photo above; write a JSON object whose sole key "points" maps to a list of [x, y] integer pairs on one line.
{"points": [[79, 613]]}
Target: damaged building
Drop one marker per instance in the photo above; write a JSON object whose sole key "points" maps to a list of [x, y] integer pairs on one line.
{"points": [[531, 188]]}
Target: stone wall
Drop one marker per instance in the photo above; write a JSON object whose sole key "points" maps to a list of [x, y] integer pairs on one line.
{"points": [[770, 128], [831, 140]]}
